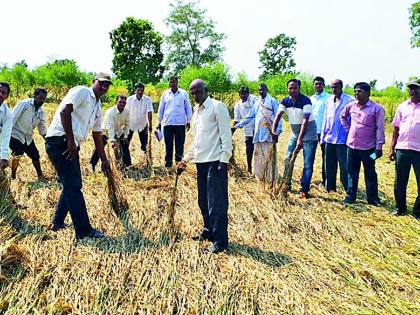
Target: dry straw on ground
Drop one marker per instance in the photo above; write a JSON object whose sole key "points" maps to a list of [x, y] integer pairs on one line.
{"points": [[286, 256]]}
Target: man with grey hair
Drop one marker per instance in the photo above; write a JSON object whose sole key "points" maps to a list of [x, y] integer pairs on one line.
{"points": [[211, 150]]}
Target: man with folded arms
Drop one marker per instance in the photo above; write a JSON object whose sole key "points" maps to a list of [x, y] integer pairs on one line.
{"points": [[334, 137], [405, 148], [79, 111], [210, 150], [364, 121], [27, 115]]}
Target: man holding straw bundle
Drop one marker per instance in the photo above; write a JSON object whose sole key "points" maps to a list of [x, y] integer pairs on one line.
{"points": [[211, 150], [304, 133], [79, 111], [264, 111]]}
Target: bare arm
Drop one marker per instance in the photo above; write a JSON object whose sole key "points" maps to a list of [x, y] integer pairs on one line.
{"points": [[276, 121], [149, 118], [395, 134]]}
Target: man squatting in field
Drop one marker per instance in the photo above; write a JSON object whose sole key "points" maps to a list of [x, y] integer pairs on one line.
{"points": [[241, 109], [6, 123], [263, 113], [27, 115], [210, 150], [405, 148], [115, 128], [79, 111]]}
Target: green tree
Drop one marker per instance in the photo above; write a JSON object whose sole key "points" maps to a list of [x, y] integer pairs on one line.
{"points": [[193, 40], [414, 21], [137, 52], [277, 55], [372, 84]]}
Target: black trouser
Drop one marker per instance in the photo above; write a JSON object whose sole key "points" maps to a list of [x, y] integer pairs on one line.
{"points": [[171, 133], [335, 154], [142, 138], [71, 198], [249, 144], [404, 160], [125, 152], [323, 173], [354, 160], [212, 186]]}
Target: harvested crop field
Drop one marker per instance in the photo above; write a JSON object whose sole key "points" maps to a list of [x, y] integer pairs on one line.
{"points": [[286, 256]]}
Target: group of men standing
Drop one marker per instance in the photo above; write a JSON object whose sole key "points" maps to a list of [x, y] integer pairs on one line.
{"points": [[350, 133]]}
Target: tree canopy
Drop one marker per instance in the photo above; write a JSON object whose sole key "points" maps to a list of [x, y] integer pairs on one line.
{"points": [[193, 40], [414, 21], [137, 52], [277, 55]]}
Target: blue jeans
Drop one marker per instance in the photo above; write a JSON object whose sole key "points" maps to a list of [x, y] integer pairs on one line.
{"points": [[71, 199], [309, 150], [212, 186]]}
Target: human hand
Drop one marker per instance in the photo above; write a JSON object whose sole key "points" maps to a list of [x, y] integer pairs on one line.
{"points": [[188, 126], [71, 152], [299, 144], [233, 129], [222, 167], [378, 153], [275, 138], [106, 167], [180, 167], [3, 164], [392, 155], [114, 144]]}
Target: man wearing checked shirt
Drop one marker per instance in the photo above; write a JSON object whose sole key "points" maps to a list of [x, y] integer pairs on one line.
{"points": [[211, 150], [405, 148], [175, 114]]}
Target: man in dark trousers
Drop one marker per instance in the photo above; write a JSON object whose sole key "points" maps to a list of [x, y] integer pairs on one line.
{"points": [[79, 111], [211, 150], [405, 148]]}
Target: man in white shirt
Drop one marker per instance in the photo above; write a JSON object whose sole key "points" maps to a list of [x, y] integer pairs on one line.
{"points": [[6, 123], [175, 114], [27, 115], [319, 100], [140, 110], [79, 111], [241, 109], [115, 128], [211, 150]]}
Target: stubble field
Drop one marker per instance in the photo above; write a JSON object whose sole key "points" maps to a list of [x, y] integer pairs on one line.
{"points": [[286, 256]]}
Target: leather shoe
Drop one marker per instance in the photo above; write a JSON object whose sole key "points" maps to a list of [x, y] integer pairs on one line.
{"points": [[375, 203], [92, 234], [57, 226], [201, 237]]}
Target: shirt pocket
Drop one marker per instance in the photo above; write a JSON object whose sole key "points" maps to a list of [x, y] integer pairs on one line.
{"points": [[368, 119]]}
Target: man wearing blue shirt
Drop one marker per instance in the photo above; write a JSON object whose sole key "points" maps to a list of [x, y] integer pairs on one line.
{"points": [[334, 137], [264, 111], [318, 107], [302, 123], [175, 113]]}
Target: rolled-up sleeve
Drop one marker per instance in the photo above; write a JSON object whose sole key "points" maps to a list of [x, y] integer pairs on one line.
{"points": [[344, 117], [42, 128], [250, 116], [397, 118], [225, 133]]}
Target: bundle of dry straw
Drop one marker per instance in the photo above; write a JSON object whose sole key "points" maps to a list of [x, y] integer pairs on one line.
{"points": [[116, 195]]}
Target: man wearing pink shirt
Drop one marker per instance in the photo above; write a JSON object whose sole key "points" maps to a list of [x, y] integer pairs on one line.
{"points": [[364, 121], [405, 148]]}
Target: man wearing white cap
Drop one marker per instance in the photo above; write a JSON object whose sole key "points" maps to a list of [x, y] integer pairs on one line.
{"points": [[79, 111]]}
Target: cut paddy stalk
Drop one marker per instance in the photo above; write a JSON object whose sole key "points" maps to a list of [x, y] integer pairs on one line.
{"points": [[287, 174]]}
